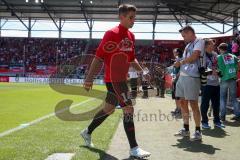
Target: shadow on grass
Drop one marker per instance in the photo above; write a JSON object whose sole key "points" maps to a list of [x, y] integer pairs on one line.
{"points": [[195, 146], [216, 132], [102, 154]]}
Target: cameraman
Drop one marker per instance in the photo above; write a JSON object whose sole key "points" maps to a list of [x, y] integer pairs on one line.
{"points": [[228, 67], [211, 91]]}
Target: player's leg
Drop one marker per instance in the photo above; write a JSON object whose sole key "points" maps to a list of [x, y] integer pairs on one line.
{"points": [[97, 121], [129, 128], [128, 122], [108, 108]]}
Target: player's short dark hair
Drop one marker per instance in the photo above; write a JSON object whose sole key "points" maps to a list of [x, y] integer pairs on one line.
{"points": [[125, 8], [223, 46], [187, 28]]}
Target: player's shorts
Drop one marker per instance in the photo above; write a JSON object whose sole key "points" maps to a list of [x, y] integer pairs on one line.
{"points": [[118, 94]]}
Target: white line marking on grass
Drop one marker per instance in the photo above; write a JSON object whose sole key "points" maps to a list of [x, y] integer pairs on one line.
{"points": [[22, 126], [60, 156]]}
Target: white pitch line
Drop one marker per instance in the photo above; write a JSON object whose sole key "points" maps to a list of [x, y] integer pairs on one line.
{"points": [[60, 156], [40, 119]]}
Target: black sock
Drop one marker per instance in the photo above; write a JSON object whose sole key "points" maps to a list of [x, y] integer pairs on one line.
{"points": [[97, 120], [198, 129], [130, 129], [186, 126]]}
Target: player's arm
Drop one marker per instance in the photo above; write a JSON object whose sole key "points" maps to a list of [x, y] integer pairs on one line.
{"points": [[96, 63], [93, 70], [135, 64]]}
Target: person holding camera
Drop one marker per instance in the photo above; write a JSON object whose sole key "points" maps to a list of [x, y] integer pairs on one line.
{"points": [[188, 84], [178, 57], [228, 67], [211, 90]]}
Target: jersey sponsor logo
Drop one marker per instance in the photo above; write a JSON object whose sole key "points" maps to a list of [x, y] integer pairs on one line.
{"points": [[125, 45], [110, 47], [228, 59]]}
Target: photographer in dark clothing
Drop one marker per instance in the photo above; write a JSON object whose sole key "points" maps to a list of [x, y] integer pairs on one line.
{"points": [[211, 91]]}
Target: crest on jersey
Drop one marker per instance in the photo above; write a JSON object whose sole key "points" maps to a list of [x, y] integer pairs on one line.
{"points": [[125, 45]]}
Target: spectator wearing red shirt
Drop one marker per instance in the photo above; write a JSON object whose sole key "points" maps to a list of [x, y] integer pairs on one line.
{"points": [[116, 51]]}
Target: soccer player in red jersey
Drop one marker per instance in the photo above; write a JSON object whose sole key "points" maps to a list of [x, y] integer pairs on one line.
{"points": [[116, 51]]}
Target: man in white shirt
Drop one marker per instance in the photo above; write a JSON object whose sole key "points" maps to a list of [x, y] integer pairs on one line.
{"points": [[188, 85]]}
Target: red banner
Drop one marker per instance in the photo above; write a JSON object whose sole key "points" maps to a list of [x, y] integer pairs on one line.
{"points": [[4, 79], [3, 68]]}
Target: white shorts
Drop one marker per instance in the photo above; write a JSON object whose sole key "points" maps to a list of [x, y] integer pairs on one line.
{"points": [[188, 87]]}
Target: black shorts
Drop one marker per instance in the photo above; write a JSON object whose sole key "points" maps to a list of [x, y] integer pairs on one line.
{"points": [[174, 89], [133, 83], [118, 94]]}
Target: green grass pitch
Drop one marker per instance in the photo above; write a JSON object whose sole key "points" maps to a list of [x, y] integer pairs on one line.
{"points": [[23, 103]]}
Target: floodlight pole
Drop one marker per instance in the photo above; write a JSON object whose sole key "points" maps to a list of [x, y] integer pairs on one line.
{"points": [[60, 28], [235, 21], [153, 33], [154, 24], [90, 29], [89, 22], [90, 26], [29, 27]]}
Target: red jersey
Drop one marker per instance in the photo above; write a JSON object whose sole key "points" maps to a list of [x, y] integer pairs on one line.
{"points": [[117, 51]]}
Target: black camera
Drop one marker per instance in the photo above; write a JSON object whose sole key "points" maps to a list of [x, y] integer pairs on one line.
{"points": [[203, 74], [204, 71]]}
